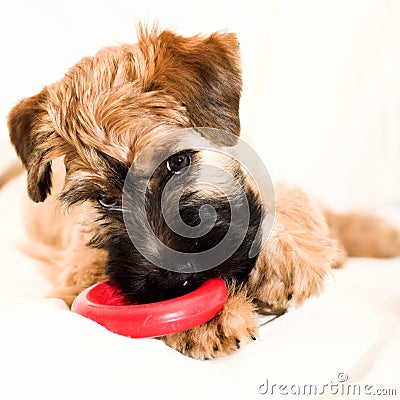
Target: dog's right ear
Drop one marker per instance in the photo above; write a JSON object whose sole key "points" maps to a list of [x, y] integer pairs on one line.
{"points": [[28, 140]]}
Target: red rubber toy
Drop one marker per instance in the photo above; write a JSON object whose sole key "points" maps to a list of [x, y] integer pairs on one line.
{"points": [[104, 304]]}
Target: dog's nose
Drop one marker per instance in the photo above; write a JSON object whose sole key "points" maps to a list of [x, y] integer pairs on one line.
{"points": [[174, 281]]}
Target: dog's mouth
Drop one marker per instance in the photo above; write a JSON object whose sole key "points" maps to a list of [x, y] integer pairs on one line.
{"points": [[164, 285], [174, 285]]}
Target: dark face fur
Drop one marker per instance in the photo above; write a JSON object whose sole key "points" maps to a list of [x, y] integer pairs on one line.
{"points": [[103, 113], [141, 280]]}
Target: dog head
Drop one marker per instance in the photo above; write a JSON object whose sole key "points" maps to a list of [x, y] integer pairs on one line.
{"points": [[104, 113]]}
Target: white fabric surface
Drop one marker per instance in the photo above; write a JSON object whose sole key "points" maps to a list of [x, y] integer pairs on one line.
{"points": [[47, 352]]}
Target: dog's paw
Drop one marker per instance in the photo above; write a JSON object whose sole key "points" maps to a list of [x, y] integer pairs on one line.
{"points": [[235, 325]]}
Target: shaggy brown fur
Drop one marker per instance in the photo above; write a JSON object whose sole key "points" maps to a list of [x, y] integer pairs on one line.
{"points": [[78, 137]]}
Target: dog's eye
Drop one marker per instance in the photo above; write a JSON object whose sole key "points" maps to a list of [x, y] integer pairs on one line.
{"points": [[107, 201], [178, 162]]}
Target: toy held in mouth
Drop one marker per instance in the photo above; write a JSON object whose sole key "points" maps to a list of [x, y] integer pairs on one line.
{"points": [[104, 304]]}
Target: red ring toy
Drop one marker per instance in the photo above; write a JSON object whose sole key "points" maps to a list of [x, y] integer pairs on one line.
{"points": [[105, 305]]}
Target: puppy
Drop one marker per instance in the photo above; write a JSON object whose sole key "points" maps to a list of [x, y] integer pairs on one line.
{"points": [[78, 139]]}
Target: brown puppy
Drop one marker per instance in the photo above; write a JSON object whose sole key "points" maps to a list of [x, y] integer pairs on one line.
{"points": [[78, 138]]}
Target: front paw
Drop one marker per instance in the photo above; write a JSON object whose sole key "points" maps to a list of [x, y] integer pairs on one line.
{"points": [[235, 325]]}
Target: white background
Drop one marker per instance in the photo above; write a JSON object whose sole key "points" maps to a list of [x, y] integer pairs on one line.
{"points": [[321, 97]]}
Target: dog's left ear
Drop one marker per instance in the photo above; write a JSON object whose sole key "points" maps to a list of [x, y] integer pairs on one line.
{"points": [[23, 121], [204, 74]]}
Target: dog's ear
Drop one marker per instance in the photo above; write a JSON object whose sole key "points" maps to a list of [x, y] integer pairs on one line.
{"points": [[204, 74], [23, 123]]}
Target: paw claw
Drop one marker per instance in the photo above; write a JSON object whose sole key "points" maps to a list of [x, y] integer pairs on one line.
{"points": [[222, 336]]}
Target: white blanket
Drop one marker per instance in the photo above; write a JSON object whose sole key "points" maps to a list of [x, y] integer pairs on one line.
{"points": [[48, 352]]}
